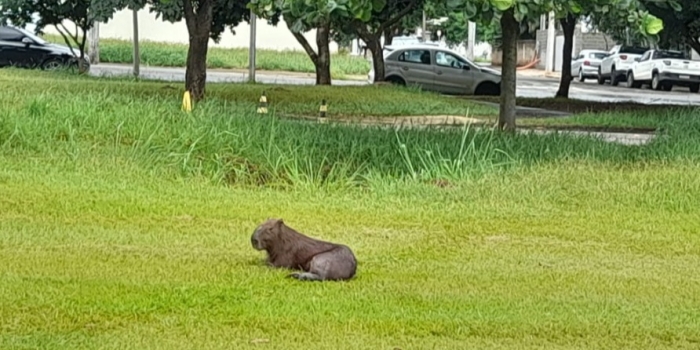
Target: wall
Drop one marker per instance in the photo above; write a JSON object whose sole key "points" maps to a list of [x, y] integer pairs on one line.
{"points": [[526, 52], [152, 29], [582, 41]]}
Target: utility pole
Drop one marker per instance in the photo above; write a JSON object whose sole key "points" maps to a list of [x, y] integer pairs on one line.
{"points": [[471, 40], [251, 48], [94, 43], [137, 55], [551, 32], [423, 33]]}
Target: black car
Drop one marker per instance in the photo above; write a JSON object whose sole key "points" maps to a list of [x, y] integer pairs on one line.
{"points": [[21, 48]]}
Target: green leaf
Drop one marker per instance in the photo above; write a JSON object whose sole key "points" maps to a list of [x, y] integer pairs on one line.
{"points": [[378, 5], [652, 25], [522, 9], [675, 6], [470, 9], [502, 5]]}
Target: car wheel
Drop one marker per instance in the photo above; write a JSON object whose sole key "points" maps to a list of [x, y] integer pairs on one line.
{"points": [[601, 80], [614, 79], [581, 78], [52, 64], [630, 81], [396, 80], [666, 87], [487, 88], [695, 88], [655, 83]]}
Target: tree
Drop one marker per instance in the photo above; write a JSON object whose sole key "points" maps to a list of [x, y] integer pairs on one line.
{"points": [[679, 17], [381, 22], [82, 13], [510, 14], [570, 12], [205, 19]]}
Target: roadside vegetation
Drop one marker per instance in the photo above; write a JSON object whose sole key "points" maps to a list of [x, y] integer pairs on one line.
{"points": [[126, 223], [159, 54]]}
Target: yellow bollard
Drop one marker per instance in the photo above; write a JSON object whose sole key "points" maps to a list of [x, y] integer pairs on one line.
{"points": [[187, 102], [262, 104], [322, 112]]}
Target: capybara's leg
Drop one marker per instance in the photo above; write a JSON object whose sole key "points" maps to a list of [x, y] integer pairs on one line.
{"points": [[305, 276], [336, 264]]}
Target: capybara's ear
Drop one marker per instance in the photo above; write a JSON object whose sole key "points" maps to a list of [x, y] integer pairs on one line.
{"points": [[279, 222]]}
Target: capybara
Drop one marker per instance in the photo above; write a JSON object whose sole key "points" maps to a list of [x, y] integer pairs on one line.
{"points": [[320, 260]]}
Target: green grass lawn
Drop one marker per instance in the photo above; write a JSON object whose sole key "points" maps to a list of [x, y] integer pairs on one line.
{"points": [[161, 54], [125, 223]]}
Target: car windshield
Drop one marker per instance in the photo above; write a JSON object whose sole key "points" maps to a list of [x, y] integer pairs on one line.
{"points": [[32, 36], [671, 54], [598, 55], [633, 50]]}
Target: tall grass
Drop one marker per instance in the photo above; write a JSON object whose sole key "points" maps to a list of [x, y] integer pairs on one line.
{"points": [[162, 54], [225, 140]]}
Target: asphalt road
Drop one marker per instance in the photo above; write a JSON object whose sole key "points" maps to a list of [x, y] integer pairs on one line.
{"points": [[528, 86]]}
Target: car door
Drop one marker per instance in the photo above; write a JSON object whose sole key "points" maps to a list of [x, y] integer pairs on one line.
{"points": [[416, 68], [642, 69], [453, 75], [15, 52], [606, 63], [576, 64]]}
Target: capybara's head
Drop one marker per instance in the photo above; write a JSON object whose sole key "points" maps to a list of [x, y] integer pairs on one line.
{"points": [[266, 233]]}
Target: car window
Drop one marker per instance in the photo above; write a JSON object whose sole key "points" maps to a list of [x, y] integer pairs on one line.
{"points": [[597, 55], [645, 56], [415, 56], [634, 50], [670, 54], [446, 59], [9, 34]]}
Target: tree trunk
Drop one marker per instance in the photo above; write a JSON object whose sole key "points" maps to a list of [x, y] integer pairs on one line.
{"points": [[389, 36], [199, 29], [568, 23], [377, 59], [693, 42], [196, 73], [510, 30], [323, 61]]}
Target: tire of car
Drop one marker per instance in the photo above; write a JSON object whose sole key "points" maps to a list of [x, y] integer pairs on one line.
{"points": [[396, 80], [487, 88], [695, 88], [52, 64], [666, 87], [631, 83], [614, 80], [581, 78], [655, 82], [601, 80]]}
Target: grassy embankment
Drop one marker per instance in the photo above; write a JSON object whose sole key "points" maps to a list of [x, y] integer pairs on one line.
{"points": [[159, 54], [125, 223]]}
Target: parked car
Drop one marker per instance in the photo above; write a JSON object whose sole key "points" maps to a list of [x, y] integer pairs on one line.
{"points": [[586, 64], [21, 48], [614, 67], [662, 69], [438, 69]]}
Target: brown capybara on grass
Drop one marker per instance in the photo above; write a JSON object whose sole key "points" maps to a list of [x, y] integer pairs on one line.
{"points": [[290, 249]]}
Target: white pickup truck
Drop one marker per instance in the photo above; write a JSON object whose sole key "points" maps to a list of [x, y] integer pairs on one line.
{"points": [[614, 67], [662, 69]]}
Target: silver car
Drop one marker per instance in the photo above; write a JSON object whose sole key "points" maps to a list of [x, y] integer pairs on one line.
{"points": [[438, 69], [586, 64]]}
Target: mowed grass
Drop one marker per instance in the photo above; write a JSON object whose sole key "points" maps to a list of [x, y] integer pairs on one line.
{"points": [[161, 54], [126, 223]]}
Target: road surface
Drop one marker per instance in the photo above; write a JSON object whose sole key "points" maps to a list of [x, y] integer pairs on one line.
{"points": [[528, 86]]}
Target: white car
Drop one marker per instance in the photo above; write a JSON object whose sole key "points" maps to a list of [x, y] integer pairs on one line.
{"points": [[662, 69], [438, 69], [619, 61], [586, 64]]}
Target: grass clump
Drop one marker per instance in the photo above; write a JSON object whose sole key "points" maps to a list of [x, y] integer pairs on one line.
{"points": [[126, 223], [160, 54]]}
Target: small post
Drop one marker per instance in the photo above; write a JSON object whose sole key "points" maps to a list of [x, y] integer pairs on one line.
{"points": [[137, 55], [251, 48], [262, 104], [322, 111]]}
